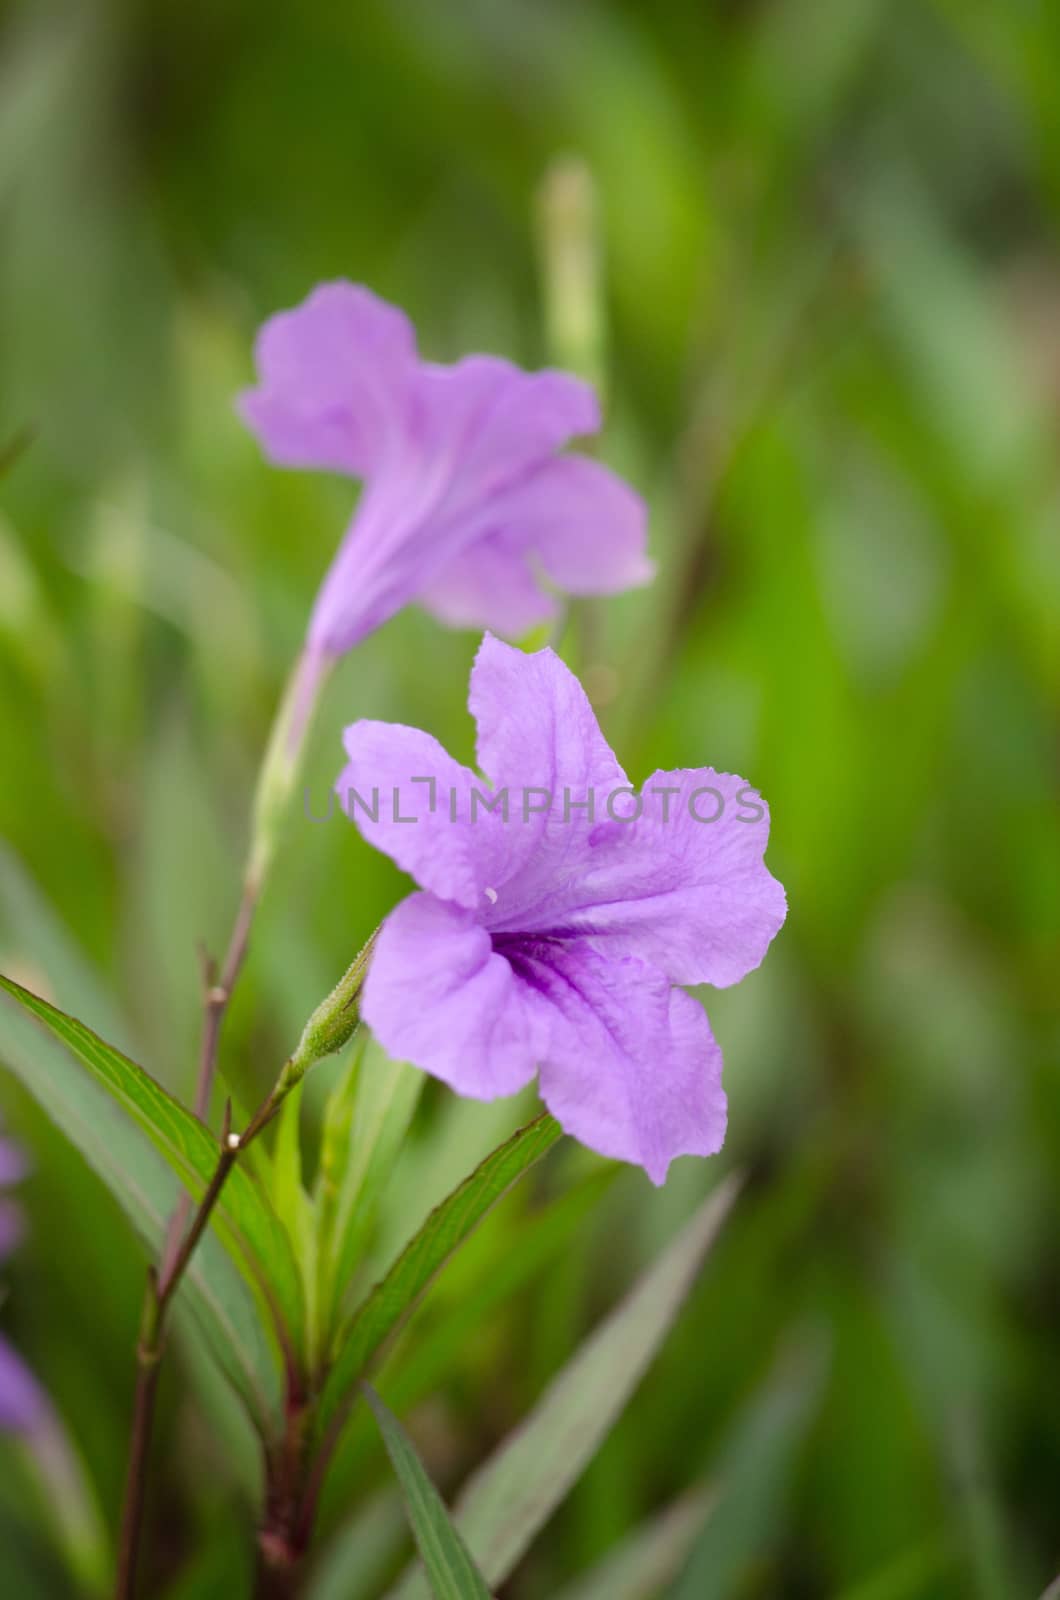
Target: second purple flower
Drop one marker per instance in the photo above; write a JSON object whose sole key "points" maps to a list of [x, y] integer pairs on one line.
{"points": [[467, 503]]}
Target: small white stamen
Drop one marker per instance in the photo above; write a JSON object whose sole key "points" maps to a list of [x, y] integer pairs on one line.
{"points": [[233, 1141], [491, 896]]}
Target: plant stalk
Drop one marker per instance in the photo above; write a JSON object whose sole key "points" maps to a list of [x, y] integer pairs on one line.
{"points": [[275, 783], [180, 1242], [161, 1288], [327, 1030]]}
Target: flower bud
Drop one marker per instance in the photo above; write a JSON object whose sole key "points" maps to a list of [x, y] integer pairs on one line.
{"points": [[332, 1023]]}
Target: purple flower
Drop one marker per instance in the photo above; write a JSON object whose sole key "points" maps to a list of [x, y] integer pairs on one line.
{"points": [[551, 935], [21, 1400], [466, 500]]}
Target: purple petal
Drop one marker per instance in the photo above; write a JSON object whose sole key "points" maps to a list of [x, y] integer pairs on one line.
{"points": [[464, 501], [13, 1164], [437, 995], [631, 1068], [413, 802], [466, 435], [489, 585], [572, 521], [587, 527], [691, 895], [490, 423], [334, 379], [535, 724], [22, 1402], [383, 563], [538, 738]]}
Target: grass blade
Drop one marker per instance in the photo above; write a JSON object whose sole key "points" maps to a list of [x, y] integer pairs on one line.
{"points": [[424, 1256], [650, 1558], [245, 1219], [447, 1563], [755, 1473], [509, 1500], [215, 1295]]}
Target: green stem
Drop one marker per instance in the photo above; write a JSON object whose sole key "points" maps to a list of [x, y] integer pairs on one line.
{"points": [[161, 1288], [327, 1030], [283, 758], [275, 784]]}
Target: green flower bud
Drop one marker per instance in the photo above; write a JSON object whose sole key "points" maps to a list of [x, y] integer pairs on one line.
{"points": [[333, 1022]]}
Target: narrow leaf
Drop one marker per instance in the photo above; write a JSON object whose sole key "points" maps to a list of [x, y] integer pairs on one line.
{"points": [[449, 1568], [245, 1218], [443, 1232], [754, 1474], [214, 1294], [490, 1270], [512, 1496], [298, 1213], [650, 1558], [367, 1118], [356, 1560], [925, 1569], [30, 925], [286, 1190], [68, 1502], [521, 1251]]}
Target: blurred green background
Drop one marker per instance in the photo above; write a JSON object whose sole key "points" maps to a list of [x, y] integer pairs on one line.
{"points": [[833, 310]]}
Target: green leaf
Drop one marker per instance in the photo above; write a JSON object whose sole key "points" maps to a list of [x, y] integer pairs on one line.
{"points": [[29, 924], [286, 1191], [650, 1558], [923, 1570], [23, 1568], [515, 1244], [245, 1220], [511, 1497], [218, 1563], [521, 1250], [755, 1474], [214, 1295], [356, 1561], [450, 1569], [424, 1256], [68, 1502], [368, 1116], [298, 1213], [507, 1252], [239, 1474]]}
